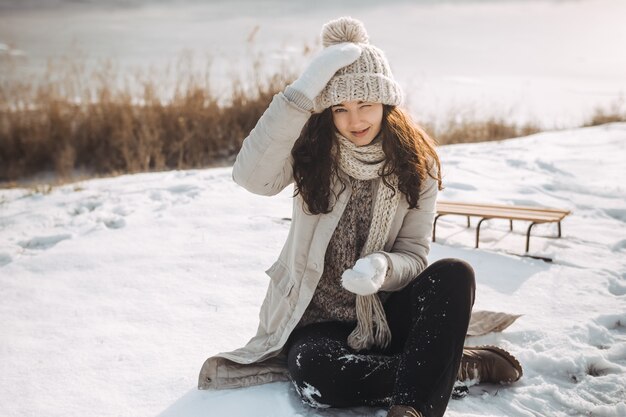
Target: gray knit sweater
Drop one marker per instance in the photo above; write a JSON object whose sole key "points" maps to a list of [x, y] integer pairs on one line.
{"points": [[331, 302]]}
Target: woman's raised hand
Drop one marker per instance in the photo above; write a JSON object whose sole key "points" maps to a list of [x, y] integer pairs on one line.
{"points": [[367, 275], [315, 77]]}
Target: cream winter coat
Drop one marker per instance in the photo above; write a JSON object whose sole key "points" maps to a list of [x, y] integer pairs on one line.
{"points": [[264, 166]]}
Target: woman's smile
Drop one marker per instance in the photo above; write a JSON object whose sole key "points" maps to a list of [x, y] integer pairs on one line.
{"points": [[360, 133]]}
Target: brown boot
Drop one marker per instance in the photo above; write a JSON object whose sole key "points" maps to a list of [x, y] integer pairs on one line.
{"points": [[489, 364], [403, 411]]}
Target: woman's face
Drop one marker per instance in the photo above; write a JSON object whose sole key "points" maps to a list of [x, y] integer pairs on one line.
{"points": [[358, 121]]}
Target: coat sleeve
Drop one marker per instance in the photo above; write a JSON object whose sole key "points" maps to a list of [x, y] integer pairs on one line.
{"points": [[264, 164], [408, 256]]}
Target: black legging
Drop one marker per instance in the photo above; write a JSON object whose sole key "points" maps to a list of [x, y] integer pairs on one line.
{"points": [[428, 320]]}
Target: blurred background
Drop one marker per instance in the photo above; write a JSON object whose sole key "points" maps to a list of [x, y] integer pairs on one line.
{"points": [[105, 87]]}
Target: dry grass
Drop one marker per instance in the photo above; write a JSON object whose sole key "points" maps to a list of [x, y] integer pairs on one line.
{"points": [[477, 130], [93, 122], [616, 112], [75, 122]]}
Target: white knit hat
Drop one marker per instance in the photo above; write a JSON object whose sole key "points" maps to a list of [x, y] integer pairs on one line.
{"points": [[369, 78]]}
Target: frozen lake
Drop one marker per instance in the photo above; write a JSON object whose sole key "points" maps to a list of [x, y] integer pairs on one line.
{"points": [[548, 61]]}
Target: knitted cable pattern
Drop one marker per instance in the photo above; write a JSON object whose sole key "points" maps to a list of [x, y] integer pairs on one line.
{"points": [[364, 163], [369, 78]]}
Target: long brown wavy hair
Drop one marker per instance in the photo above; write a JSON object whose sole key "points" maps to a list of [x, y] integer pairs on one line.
{"points": [[409, 151]]}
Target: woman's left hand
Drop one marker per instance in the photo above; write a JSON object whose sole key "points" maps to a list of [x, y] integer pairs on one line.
{"points": [[367, 275]]}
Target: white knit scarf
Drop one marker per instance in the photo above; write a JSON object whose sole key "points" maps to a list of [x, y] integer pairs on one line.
{"points": [[365, 163]]}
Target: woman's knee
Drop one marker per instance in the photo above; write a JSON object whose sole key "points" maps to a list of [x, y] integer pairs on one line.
{"points": [[453, 273], [456, 268], [462, 271]]}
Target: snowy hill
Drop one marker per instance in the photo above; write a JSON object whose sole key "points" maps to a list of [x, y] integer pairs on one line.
{"points": [[114, 291]]}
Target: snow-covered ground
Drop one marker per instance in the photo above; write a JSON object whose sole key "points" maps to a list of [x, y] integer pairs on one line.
{"points": [[114, 291]]}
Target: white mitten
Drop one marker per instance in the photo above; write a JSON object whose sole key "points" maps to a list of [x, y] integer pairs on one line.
{"points": [[367, 275], [324, 66]]}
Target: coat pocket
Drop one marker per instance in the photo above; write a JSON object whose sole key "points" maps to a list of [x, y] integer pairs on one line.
{"points": [[281, 278], [279, 301]]}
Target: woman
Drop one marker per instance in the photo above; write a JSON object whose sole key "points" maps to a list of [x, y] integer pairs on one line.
{"points": [[353, 315]]}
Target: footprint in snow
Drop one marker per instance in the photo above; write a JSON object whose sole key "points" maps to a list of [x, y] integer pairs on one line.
{"points": [[43, 242], [615, 322], [180, 192], [86, 206], [187, 189], [616, 213], [615, 287], [516, 163], [115, 223], [5, 259], [551, 168], [621, 245], [600, 367]]}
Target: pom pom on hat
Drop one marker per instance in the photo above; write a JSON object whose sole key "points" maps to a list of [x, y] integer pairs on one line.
{"points": [[368, 78], [344, 29]]}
